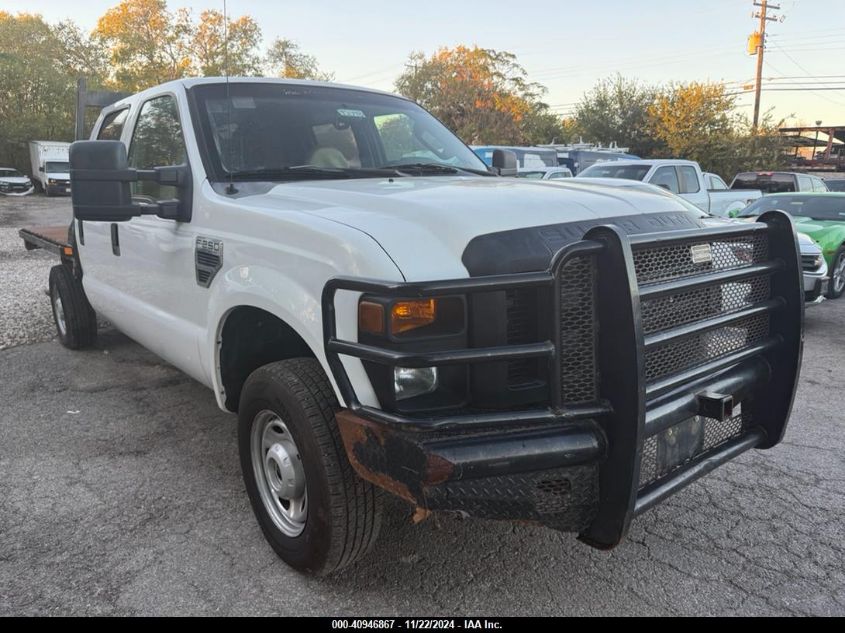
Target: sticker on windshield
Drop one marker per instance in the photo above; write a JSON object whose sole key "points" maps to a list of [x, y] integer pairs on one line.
{"points": [[351, 114], [243, 103]]}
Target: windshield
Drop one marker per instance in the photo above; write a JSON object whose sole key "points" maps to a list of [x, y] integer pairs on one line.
{"points": [[627, 172], [271, 131], [835, 185], [819, 207], [10, 173], [767, 183], [57, 167]]}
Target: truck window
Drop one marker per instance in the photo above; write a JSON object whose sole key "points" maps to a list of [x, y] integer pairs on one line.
{"points": [[157, 142], [689, 179], [112, 126], [819, 185], [805, 183], [666, 177], [715, 183], [397, 138]]}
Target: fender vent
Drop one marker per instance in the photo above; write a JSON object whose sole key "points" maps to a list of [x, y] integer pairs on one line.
{"points": [[209, 259]]}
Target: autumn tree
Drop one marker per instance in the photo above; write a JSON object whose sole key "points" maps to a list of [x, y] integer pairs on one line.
{"points": [[616, 110], [481, 94], [284, 58], [147, 43], [213, 56], [699, 121]]}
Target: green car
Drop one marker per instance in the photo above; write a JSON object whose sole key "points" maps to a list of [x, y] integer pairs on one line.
{"points": [[819, 215]]}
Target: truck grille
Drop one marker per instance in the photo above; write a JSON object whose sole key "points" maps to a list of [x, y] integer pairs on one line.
{"points": [[578, 331], [689, 329]]}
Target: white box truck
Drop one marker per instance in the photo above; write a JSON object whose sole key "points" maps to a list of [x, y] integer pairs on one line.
{"points": [[50, 167]]}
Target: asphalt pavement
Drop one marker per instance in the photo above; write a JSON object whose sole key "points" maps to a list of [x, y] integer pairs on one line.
{"points": [[122, 495]]}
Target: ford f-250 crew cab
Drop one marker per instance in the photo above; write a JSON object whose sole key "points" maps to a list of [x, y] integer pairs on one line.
{"points": [[681, 177], [383, 313]]}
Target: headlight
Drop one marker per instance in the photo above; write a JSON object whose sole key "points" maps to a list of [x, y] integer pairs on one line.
{"points": [[51, 181], [415, 325], [410, 383]]}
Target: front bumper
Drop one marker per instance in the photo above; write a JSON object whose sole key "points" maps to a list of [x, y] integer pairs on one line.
{"points": [[694, 359], [59, 189], [815, 286], [25, 192]]}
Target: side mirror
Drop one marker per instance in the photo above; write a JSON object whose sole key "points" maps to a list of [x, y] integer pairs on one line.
{"points": [[41, 168], [505, 162], [100, 179]]}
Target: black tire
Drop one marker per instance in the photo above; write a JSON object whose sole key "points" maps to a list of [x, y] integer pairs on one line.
{"points": [[75, 319], [343, 511], [832, 291]]}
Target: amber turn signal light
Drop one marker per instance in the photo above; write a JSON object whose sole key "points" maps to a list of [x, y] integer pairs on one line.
{"points": [[371, 317], [412, 314]]}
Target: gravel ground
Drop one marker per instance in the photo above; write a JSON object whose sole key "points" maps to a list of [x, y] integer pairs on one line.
{"points": [[122, 495], [25, 315]]}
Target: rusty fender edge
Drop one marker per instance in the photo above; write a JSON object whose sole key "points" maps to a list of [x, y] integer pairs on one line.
{"points": [[407, 464]]}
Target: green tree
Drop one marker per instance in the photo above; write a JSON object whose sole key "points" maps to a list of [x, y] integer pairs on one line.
{"points": [[284, 58], [616, 110], [38, 66], [481, 94]]}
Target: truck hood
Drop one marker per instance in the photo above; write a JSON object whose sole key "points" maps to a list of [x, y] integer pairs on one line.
{"points": [[15, 180], [425, 223]]}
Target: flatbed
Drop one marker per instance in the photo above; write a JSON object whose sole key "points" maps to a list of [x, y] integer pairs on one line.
{"points": [[53, 239]]}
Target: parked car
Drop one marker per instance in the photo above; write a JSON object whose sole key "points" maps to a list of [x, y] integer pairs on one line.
{"points": [[50, 166], [777, 182], [682, 177], [504, 349], [551, 173], [822, 217], [813, 263], [14, 183], [835, 184]]}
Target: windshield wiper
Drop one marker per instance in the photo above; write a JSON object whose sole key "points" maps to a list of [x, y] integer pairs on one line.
{"points": [[305, 172], [435, 168]]}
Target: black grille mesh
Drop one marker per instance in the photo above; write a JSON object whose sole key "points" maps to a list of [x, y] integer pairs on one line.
{"points": [[677, 260], [702, 347], [662, 454], [522, 326], [578, 366], [679, 309]]}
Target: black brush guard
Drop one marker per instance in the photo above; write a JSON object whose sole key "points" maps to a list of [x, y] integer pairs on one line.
{"points": [[718, 350]]}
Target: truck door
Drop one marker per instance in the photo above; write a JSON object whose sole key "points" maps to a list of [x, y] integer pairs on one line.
{"points": [[151, 287]]}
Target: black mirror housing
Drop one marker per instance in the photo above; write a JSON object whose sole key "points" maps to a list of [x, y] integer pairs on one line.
{"points": [[100, 178], [100, 184], [505, 162]]}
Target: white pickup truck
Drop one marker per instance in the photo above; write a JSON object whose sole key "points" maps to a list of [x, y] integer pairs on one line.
{"points": [[383, 313], [683, 177]]}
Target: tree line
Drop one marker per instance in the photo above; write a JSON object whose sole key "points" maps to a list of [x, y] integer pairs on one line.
{"points": [[485, 96]]}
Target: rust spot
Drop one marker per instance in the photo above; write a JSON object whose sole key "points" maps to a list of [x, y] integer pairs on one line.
{"points": [[357, 432], [437, 470], [420, 515]]}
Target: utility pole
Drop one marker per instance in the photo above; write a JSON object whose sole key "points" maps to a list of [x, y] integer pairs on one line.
{"points": [[760, 38]]}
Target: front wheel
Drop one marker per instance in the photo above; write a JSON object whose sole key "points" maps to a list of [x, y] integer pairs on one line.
{"points": [[315, 512], [837, 275], [76, 321]]}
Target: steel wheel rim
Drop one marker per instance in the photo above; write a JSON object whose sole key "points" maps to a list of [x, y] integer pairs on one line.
{"points": [[279, 474], [59, 313], [839, 274]]}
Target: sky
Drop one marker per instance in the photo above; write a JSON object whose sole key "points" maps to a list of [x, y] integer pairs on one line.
{"points": [[566, 45]]}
